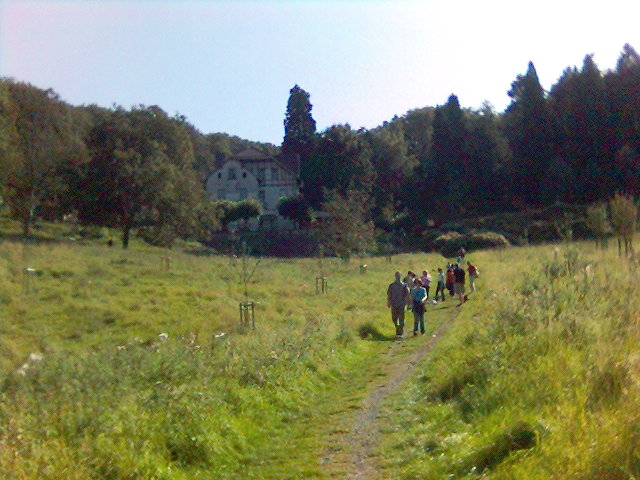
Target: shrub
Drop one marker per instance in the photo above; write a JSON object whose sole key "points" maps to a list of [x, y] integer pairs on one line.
{"points": [[449, 243], [477, 241]]}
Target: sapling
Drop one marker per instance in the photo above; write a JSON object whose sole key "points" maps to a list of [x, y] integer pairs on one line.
{"points": [[245, 270]]}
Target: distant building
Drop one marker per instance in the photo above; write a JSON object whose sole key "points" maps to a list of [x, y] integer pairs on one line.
{"points": [[253, 174]]}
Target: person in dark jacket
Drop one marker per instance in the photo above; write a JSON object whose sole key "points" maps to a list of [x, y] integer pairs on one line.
{"points": [[397, 296], [458, 286]]}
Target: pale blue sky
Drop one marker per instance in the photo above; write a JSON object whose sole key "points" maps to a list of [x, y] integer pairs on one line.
{"points": [[228, 65]]}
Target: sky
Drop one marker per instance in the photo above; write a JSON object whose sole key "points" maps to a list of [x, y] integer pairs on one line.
{"points": [[228, 65]]}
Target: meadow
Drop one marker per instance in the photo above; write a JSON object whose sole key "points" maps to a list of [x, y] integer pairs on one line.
{"points": [[535, 378], [91, 389], [538, 380]]}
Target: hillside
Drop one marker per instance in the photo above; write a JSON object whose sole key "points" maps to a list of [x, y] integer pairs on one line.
{"points": [[534, 378]]}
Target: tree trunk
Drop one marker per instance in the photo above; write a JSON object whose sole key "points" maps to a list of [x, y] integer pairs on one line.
{"points": [[26, 226], [125, 236]]}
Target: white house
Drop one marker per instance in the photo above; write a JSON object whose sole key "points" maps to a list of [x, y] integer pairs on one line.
{"points": [[252, 174]]}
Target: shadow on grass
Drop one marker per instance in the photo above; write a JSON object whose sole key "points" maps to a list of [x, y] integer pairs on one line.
{"points": [[368, 331], [33, 239]]}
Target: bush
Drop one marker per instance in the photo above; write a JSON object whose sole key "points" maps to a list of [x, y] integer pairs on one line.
{"points": [[478, 241], [449, 243]]}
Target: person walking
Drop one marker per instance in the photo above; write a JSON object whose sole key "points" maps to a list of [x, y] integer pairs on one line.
{"points": [[451, 280], [441, 285], [419, 301], [460, 256], [458, 286], [397, 295], [473, 275], [426, 280]]}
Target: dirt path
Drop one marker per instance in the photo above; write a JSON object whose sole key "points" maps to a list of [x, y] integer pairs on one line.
{"points": [[362, 437]]}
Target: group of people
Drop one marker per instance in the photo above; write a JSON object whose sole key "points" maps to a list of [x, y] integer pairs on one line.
{"points": [[412, 292]]}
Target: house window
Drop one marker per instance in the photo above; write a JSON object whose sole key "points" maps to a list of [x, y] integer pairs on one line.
{"points": [[231, 174], [220, 175], [222, 194], [275, 174], [244, 174], [261, 174], [263, 198]]}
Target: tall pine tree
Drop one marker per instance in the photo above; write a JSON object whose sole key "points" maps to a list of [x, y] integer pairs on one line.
{"points": [[529, 134], [299, 125]]}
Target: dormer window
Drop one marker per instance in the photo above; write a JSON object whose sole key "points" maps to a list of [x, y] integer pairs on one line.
{"points": [[231, 174]]}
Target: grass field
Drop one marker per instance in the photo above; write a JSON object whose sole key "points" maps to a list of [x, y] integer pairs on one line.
{"points": [[536, 377]]}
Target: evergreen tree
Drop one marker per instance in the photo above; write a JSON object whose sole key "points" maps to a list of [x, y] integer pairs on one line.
{"points": [[529, 133], [486, 176], [582, 134], [446, 174], [299, 125]]}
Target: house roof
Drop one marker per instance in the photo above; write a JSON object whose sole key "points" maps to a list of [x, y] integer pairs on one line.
{"points": [[251, 154]]}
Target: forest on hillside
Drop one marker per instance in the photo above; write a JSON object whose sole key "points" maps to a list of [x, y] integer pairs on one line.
{"points": [[142, 170]]}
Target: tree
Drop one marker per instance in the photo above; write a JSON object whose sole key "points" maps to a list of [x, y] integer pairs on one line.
{"points": [[529, 133], [393, 165], [140, 174], [582, 136], [8, 135], [296, 209], [348, 229], [627, 171], [418, 132], [342, 160], [442, 183], [299, 125], [46, 139], [624, 215], [229, 211], [598, 223], [487, 172]]}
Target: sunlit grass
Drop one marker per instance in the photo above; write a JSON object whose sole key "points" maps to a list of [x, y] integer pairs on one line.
{"points": [[111, 398], [540, 350]]}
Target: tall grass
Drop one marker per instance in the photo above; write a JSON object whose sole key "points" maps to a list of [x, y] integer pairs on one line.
{"points": [[111, 398], [547, 348]]}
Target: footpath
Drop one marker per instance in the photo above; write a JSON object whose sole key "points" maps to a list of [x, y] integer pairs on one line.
{"points": [[349, 453]]}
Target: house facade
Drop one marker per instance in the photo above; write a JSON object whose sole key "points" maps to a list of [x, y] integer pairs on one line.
{"points": [[253, 174]]}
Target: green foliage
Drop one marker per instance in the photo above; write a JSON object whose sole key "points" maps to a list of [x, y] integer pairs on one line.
{"points": [[43, 142], [296, 209], [449, 243], [341, 161], [140, 174], [624, 215], [347, 230], [529, 131], [229, 211], [299, 126]]}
